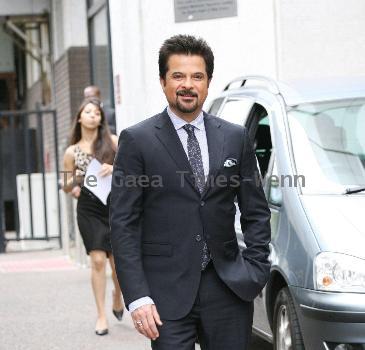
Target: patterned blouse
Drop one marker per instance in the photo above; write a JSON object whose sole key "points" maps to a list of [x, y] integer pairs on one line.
{"points": [[82, 160]]}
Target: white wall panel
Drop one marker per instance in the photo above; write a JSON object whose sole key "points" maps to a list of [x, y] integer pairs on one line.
{"points": [[321, 38], [241, 45]]}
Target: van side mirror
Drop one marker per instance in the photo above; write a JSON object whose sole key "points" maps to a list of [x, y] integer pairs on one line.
{"points": [[275, 193]]}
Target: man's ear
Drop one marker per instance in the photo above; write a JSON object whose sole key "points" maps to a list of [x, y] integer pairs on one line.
{"points": [[162, 83], [209, 80]]}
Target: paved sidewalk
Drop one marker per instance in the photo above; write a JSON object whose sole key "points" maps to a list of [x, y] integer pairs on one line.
{"points": [[46, 303]]}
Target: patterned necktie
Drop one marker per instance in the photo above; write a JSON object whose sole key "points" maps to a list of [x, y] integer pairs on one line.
{"points": [[196, 162]]}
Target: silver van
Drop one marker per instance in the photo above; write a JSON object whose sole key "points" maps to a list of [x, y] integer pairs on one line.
{"points": [[309, 139]]}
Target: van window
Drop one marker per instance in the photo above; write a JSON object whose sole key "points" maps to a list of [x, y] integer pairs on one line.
{"points": [[259, 130], [236, 110], [328, 145], [263, 145]]}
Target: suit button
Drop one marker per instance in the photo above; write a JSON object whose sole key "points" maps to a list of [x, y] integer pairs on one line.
{"points": [[202, 203], [198, 238]]}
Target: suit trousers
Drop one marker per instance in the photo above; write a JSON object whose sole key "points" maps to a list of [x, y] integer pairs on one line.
{"points": [[219, 319]]}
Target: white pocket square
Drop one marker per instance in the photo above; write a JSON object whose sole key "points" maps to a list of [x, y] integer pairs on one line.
{"points": [[230, 162]]}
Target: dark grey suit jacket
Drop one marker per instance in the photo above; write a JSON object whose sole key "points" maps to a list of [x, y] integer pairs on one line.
{"points": [[158, 216]]}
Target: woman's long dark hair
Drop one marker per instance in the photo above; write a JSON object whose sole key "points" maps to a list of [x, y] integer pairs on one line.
{"points": [[103, 148]]}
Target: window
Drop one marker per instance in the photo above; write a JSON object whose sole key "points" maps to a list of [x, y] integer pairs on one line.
{"points": [[328, 145], [260, 134], [100, 55], [236, 110], [263, 145]]}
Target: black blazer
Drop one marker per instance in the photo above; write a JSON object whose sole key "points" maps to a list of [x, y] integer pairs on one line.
{"points": [[158, 217]]}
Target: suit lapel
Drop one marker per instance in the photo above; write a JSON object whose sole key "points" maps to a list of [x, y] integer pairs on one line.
{"points": [[167, 135], [215, 139]]}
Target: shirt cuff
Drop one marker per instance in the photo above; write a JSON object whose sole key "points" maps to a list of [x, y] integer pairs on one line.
{"points": [[140, 302]]}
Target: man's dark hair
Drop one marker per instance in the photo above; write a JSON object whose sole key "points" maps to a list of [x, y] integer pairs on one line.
{"points": [[185, 45]]}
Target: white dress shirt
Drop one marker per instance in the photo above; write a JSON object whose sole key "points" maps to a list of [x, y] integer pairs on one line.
{"points": [[199, 132], [201, 136]]}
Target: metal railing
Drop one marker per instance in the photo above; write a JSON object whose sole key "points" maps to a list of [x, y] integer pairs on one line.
{"points": [[25, 136]]}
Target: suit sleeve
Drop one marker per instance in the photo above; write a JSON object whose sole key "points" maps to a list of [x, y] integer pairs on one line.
{"points": [[255, 216], [126, 207]]}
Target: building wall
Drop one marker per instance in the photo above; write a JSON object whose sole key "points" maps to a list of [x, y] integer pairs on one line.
{"points": [[34, 96], [69, 25], [23, 7], [279, 38], [6, 53], [63, 99], [320, 38], [242, 45], [68, 33], [71, 75], [70, 71]]}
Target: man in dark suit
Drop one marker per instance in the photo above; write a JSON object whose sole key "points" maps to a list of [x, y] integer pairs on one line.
{"points": [[176, 177]]}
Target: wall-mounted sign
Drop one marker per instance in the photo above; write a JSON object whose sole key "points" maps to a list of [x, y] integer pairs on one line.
{"points": [[195, 10]]}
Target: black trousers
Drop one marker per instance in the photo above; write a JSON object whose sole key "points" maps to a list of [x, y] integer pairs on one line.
{"points": [[219, 318]]}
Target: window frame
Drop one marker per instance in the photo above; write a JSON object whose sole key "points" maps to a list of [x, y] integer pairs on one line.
{"points": [[228, 99], [92, 11]]}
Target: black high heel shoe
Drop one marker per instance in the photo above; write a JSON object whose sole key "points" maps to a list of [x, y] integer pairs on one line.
{"points": [[102, 331], [118, 314]]}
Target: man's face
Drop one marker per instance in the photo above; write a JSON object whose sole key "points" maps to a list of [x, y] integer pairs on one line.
{"points": [[90, 92], [186, 84]]}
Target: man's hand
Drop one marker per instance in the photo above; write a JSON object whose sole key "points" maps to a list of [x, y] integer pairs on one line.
{"points": [[146, 319]]}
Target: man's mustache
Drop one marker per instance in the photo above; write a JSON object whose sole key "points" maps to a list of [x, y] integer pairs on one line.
{"points": [[187, 93]]}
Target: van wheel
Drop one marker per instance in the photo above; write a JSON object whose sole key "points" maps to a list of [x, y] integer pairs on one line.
{"points": [[287, 334]]}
